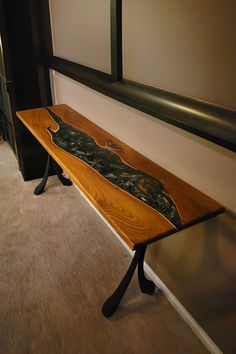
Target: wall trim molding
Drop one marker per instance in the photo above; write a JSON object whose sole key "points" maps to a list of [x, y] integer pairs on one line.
{"points": [[116, 40], [214, 123], [185, 315], [209, 121]]}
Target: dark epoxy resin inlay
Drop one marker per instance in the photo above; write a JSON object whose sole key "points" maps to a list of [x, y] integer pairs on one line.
{"points": [[137, 183]]}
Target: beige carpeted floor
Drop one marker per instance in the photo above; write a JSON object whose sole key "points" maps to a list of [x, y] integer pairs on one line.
{"points": [[58, 263]]}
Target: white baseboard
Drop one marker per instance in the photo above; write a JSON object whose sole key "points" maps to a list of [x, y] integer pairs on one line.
{"points": [[189, 320]]}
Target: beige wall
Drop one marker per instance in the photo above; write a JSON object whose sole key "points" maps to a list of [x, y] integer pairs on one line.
{"points": [[81, 32], [198, 264], [188, 47]]}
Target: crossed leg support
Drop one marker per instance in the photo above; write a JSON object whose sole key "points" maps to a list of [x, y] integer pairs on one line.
{"points": [[50, 162], [146, 285]]}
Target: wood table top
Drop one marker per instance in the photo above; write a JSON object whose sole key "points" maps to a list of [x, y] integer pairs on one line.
{"points": [[141, 200]]}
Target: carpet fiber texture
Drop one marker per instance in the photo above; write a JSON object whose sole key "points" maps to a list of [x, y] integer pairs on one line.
{"points": [[58, 263]]}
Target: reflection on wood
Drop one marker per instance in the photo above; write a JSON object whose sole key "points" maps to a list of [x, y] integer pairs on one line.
{"points": [[137, 183]]}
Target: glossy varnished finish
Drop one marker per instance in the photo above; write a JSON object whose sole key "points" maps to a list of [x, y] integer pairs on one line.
{"points": [[136, 222], [109, 165]]}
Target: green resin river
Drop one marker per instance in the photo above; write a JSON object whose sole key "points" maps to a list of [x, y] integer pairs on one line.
{"points": [[108, 163]]}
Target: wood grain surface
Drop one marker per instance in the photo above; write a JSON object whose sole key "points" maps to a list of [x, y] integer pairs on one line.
{"points": [[136, 222]]}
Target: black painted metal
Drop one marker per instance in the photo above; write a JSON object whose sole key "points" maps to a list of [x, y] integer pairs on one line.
{"points": [[116, 40], [65, 181], [51, 163], [147, 286], [211, 122], [113, 301], [109, 164], [40, 188]]}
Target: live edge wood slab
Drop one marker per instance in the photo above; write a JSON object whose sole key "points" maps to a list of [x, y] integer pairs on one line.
{"points": [[142, 201], [135, 221]]}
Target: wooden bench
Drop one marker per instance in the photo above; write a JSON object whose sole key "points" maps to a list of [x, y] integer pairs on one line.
{"points": [[142, 201]]}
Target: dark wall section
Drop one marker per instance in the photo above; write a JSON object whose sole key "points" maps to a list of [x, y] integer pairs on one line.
{"points": [[21, 51], [22, 75]]}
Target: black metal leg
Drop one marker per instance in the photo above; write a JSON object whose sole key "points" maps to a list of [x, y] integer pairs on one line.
{"points": [[113, 301], [147, 286], [40, 188], [65, 181]]}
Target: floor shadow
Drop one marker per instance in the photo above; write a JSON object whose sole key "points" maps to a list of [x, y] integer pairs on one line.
{"points": [[138, 303]]}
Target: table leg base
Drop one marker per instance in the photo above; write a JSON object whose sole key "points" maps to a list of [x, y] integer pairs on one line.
{"points": [[50, 162], [65, 181], [40, 188], [146, 286]]}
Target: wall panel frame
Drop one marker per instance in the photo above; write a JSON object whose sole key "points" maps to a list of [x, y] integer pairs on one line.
{"points": [[209, 121]]}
